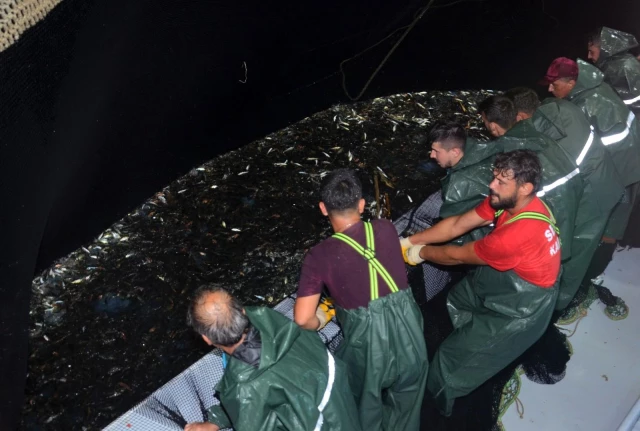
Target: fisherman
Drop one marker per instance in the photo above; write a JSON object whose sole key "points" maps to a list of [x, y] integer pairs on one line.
{"points": [[504, 306], [609, 49], [561, 183], [468, 163], [583, 84], [565, 123], [361, 266], [277, 376]]}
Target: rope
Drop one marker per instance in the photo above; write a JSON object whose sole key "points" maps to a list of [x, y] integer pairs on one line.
{"points": [[384, 60], [583, 314], [520, 408]]}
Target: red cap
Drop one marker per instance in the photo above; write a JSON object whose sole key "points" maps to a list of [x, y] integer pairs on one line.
{"points": [[561, 67]]}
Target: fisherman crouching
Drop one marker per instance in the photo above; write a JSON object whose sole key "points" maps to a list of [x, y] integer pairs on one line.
{"points": [[276, 377]]}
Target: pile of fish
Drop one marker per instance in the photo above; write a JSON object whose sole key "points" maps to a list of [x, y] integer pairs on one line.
{"points": [[108, 320]]}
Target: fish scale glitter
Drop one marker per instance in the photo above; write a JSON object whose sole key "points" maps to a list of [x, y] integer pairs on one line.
{"points": [[108, 320]]}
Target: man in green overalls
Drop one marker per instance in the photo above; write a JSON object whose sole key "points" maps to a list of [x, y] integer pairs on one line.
{"points": [[500, 309], [362, 268], [277, 377], [566, 124], [583, 84], [609, 51]]}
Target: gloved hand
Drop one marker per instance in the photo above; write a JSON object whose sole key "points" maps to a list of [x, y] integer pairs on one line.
{"points": [[412, 255], [405, 244], [325, 312]]}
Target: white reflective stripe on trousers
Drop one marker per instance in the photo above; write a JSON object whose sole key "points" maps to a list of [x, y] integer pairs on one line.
{"points": [[631, 101], [327, 391], [585, 150], [614, 139], [558, 182]]}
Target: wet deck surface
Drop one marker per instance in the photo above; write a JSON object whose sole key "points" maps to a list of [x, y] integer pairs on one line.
{"points": [[603, 377]]}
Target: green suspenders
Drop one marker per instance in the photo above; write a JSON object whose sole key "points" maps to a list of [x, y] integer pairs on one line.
{"points": [[369, 254], [533, 215]]}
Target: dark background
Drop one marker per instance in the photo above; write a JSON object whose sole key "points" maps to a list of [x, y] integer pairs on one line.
{"points": [[107, 101]]}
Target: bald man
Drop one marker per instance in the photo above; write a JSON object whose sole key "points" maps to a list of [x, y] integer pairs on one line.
{"points": [[277, 376]]}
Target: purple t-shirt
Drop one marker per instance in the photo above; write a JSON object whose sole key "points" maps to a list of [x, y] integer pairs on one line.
{"points": [[338, 266]]}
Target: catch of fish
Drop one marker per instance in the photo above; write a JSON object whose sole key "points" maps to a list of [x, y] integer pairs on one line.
{"points": [[108, 320]]}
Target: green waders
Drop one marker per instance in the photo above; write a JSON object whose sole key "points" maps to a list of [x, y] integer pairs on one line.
{"points": [[496, 317], [385, 350]]}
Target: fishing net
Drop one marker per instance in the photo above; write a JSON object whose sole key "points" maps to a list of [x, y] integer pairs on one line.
{"points": [[433, 277]]}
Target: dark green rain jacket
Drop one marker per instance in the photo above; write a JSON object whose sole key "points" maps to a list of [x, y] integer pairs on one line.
{"points": [[566, 124], [621, 68], [386, 355], [496, 317], [467, 184], [561, 182], [617, 126], [286, 391]]}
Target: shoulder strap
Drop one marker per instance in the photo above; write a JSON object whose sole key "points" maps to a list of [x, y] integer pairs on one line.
{"points": [[532, 215], [375, 267]]}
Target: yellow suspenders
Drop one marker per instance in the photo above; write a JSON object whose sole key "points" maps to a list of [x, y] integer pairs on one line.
{"points": [[369, 254]]}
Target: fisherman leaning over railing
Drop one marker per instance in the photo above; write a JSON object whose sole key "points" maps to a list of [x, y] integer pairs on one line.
{"points": [[276, 377], [361, 266]]}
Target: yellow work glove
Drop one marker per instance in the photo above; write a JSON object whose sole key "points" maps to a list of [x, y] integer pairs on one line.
{"points": [[405, 244], [325, 312], [412, 255]]}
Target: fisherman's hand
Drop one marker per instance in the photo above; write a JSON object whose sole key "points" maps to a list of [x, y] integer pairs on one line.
{"points": [[405, 244], [201, 426], [412, 255], [325, 312]]}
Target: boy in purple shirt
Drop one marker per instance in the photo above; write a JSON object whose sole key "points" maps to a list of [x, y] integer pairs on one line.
{"points": [[362, 267]]}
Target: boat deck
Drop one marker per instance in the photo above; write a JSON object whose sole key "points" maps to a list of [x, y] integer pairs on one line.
{"points": [[601, 390]]}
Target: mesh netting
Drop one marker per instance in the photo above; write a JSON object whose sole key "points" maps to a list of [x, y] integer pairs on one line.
{"points": [[433, 277], [546, 361]]}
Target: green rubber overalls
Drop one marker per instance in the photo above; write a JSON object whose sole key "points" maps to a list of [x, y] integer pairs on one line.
{"points": [[496, 317], [384, 349]]}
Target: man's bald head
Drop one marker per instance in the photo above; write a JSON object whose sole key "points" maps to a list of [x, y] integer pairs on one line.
{"points": [[217, 315]]}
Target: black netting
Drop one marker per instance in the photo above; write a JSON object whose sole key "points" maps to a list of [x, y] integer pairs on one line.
{"points": [[546, 361], [605, 296], [433, 278]]}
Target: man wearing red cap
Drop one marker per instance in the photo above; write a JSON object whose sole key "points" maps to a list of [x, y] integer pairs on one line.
{"points": [[583, 84], [566, 124]]}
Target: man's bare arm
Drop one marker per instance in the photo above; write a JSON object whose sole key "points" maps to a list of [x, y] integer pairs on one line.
{"points": [[304, 312], [449, 228], [451, 254]]}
